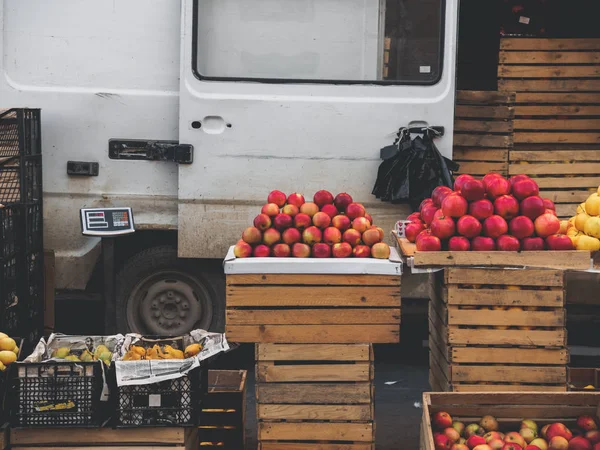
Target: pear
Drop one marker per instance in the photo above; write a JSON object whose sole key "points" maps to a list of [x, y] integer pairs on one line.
{"points": [[7, 357], [61, 353], [7, 344], [72, 358], [99, 350], [192, 350], [86, 356]]}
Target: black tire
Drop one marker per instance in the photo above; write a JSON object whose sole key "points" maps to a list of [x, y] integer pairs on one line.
{"points": [[158, 293]]}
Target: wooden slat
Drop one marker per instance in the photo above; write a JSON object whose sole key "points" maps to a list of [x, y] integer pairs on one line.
{"points": [[313, 393], [539, 137], [270, 373], [504, 297], [314, 334], [477, 154], [487, 126], [545, 44], [514, 374], [513, 318], [481, 168], [482, 140], [314, 412], [590, 399], [481, 112], [554, 338], [312, 316], [313, 296], [107, 436], [484, 97], [507, 388], [557, 110], [553, 72], [565, 210], [567, 85], [551, 124], [556, 98], [512, 411], [529, 277], [312, 446], [555, 155], [566, 182], [311, 431], [313, 352], [313, 280], [103, 447], [566, 196], [542, 57], [490, 355], [555, 169]]}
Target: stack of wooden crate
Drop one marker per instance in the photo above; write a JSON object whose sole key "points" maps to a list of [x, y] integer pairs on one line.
{"points": [[498, 329], [557, 115]]}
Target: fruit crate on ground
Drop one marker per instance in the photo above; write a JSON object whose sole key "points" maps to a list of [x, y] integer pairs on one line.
{"points": [[584, 378], [315, 396], [291, 300], [508, 408], [497, 330], [103, 439], [223, 415]]}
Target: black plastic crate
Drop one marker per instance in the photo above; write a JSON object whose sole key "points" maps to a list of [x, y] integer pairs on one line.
{"points": [[9, 296], [58, 394], [34, 233], [10, 228]]}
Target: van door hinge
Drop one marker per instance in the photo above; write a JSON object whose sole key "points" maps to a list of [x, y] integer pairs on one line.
{"points": [[134, 149]]}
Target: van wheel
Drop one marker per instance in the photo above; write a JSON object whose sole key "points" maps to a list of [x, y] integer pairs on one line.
{"points": [[158, 293]]}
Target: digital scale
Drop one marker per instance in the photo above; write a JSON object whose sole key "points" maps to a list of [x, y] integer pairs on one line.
{"points": [[106, 222]]}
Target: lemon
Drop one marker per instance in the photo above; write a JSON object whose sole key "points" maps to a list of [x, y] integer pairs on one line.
{"points": [[592, 227], [7, 357], [590, 386], [580, 208], [592, 205], [3, 335], [7, 344], [587, 243], [580, 221]]}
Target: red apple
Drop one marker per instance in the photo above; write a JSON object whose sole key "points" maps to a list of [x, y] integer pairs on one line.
{"points": [[429, 244], [580, 443], [281, 251], [322, 198], [321, 220], [438, 214], [459, 244], [270, 209], [482, 447], [428, 213], [515, 438], [312, 235], [468, 226], [587, 423], [321, 251], [416, 216], [341, 201], [461, 180], [559, 242], [475, 440], [380, 230], [532, 207], [532, 447], [454, 205], [474, 429], [487, 179], [481, 209], [512, 180], [497, 187], [508, 243], [558, 429], [291, 236], [262, 222], [439, 194], [511, 446], [252, 235], [593, 436], [443, 227], [494, 227], [491, 435], [290, 210], [354, 210], [427, 201], [597, 446], [525, 188], [506, 206], [412, 230], [422, 234], [302, 221], [452, 434], [371, 236], [380, 251], [441, 420], [330, 210], [300, 250], [282, 221], [483, 244], [277, 197], [361, 251], [473, 190], [533, 244], [310, 209], [342, 250], [550, 211], [459, 447], [242, 249], [271, 237], [296, 199], [361, 224], [352, 237], [558, 443], [369, 217], [332, 235], [261, 251], [546, 224], [549, 204], [496, 444], [342, 223], [521, 227], [441, 442]]}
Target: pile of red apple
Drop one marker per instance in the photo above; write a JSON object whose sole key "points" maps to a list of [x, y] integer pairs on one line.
{"points": [[328, 226], [485, 435], [486, 215]]}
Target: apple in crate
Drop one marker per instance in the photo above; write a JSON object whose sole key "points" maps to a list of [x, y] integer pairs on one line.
{"points": [[252, 235], [428, 213], [459, 447], [481, 209], [593, 436], [460, 181], [587, 423], [521, 227], [494, 226], [441, 420], [487, 179], [525, 188], [459, 244], [322, 198], [302, 221], [342, 200], [300, 250], [559, 242], [282, 221], [489, 423], [341, 250], [455, 206], [361, 251], [332, 235], [371, 236], [443, 227], [475, 440], [483, 244], [369, 218], [439, 194], [342, 223], [533, 244], [558, 443], [321, 220], [580, 443], [312, 235], [262, 222], [512, 180], [468, 226], [380, 251], [271, 237], [330, 210], [441, 441], [429, 243], [558, 429], [532, 207], [473, 190], [452, 434], [511, 446], [352, 237], [354, 210], [296, 199], [321, 251], [508, 243], [546, 225], [515, 438], [281, 251], [291, 236], [277, 197], [261, 251], [361, 224], [270, 209], [506, 206], [310, 209], [497, 187], [549, 204], [242, 249], [290, 210]]}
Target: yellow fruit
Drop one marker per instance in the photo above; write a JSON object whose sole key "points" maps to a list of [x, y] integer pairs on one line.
{"points": [[153, 353], [3, 335], [589, 243], [2, 367], [580, 208], [590, 386], [61, 352], [192, 350], [7, 344], [72, 358], [139, 350], [7, 357], [580, 221], [573, 232], [86, 356], [132, 355], [173, 353], [16, 350], [99, 350], [564, 226], [598, 190], [592, 205], [592, 227], [572, 220]]}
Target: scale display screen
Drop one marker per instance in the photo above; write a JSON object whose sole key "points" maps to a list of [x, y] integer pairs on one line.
{"points": [[107, 221]]}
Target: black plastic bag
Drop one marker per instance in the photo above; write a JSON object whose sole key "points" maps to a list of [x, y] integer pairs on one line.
{"points": [[392, 175]]}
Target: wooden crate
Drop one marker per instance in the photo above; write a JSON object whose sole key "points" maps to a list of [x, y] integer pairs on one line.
{"points": [[303, 309], [483, 131], [497, 330], [159, 438], [557, 115], [508, 408], [223, 415], [315, 393], [580, 377]]}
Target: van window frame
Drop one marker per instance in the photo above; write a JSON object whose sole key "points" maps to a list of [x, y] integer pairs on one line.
{"points": [[432, 82]]}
